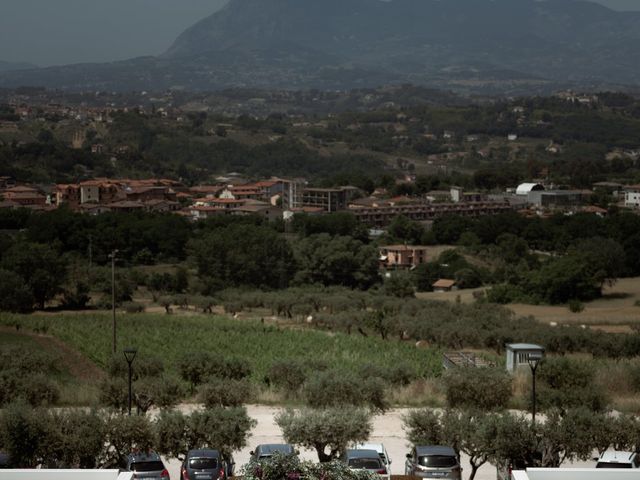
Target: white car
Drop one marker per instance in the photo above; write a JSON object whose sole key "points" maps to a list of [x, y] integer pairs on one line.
{"points": [[615, 459], [382, 452]]}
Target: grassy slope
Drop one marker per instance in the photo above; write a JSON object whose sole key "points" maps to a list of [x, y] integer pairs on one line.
{"points": [[170, 336], [77, 386]]}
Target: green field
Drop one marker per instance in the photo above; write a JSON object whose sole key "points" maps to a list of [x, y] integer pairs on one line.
{"points": [[171, 336]]}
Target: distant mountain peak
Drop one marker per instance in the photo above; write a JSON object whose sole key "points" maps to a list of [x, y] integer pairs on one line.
{"points": [[466, 44]]}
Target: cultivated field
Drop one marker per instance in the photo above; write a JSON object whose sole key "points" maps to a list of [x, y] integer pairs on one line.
{"points": [[171, 336]]}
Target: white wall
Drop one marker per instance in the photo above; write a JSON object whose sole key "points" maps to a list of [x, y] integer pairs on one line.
{"points": [[64, 475], [576, 474]]}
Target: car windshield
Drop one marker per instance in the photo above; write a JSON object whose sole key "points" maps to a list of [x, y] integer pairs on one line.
{"points": [[365, 463], [203, 463], [156, 466], [613, 465], [438, 461]]}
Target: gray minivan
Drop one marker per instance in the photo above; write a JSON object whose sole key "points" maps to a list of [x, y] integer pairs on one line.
{"points": [[203, 464], [433, 462], [266, 451], [147, 466]]}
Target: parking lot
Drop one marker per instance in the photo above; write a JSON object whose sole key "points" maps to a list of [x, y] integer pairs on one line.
{"points": [[387, 429]]}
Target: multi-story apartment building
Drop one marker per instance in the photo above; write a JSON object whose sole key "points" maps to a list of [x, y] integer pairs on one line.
{"points": [[329, 199]]}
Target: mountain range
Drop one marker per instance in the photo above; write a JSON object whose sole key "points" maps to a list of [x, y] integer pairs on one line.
{"points": [[460, 44], [11, 66]]}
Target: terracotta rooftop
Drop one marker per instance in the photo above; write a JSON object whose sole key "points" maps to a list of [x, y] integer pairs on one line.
{"points": [[404, 248], [444, 283]]}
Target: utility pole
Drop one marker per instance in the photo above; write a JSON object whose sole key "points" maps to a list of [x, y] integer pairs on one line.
{"points": [[112, 256], [90, 252]]}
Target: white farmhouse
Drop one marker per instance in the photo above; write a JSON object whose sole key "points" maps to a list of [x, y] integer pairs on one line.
{"points": [[632, 196]]}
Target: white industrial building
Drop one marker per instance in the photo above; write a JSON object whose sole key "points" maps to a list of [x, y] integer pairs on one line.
{"points": [[518, 354]]}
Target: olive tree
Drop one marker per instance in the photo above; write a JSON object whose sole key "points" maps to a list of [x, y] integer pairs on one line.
{"points": [[481, 388], [224, 428], [328, 431]]}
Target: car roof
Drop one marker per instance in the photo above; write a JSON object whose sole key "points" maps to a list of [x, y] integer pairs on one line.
{"points": [[435, 450], [361, 453], [616, 456], [203, 453], [274, 447], [144, 457], [378, 447]]}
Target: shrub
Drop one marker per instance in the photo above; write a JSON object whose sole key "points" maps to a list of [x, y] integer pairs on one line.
{"points": [[290, 467], [195, 367], [234, 368], [24, 435], [15, 294], [114, 393], [287, 375], [399, 374], [565, 383], [468, 278], [133, 307], [225, 393], [328, 389], [576, 306], [162, 392], [39, 390], [76, 298], [143, 366], [482, 388], [503, 294]]}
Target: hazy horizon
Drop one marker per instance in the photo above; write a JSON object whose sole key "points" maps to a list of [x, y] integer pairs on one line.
{"points": [[54, 32]]}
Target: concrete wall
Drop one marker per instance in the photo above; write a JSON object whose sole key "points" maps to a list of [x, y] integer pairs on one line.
{"points": [[576, 474]]}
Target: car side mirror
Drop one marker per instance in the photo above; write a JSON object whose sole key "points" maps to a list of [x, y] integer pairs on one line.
{"points": [[252, 453], [409, 456], [389, 461], [595, 459]]}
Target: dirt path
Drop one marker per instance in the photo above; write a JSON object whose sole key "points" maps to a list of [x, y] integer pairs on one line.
{"points": [[79, 366]]}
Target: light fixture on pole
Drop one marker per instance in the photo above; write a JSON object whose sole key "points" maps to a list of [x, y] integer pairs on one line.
{"points": [[130, 355], [534, 360]]}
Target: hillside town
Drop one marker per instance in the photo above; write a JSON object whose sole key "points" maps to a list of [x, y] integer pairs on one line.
{"points": [[278, 198]]}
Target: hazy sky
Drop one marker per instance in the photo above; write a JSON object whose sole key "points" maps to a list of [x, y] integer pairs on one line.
{"points": [[50, 32]]}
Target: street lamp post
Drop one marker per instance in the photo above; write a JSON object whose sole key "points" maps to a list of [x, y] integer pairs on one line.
{"points": [[112, 256], [534, 361], [130, 355]]}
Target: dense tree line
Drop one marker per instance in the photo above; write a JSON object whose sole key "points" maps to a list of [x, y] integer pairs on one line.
{"points": [[102, 439]]}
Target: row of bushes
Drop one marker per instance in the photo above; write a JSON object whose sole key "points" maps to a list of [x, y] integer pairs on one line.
{"points": [[98, 439]]}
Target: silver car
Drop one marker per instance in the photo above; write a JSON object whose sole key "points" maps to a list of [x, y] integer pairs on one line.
{"points": [[147, 466], [433, 462], [358, 459]]}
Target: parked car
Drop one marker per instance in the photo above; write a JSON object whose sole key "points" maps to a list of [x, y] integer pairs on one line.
{"points": [[266, 451], [378, 447], [203, 464], [433, 462], [616, 459], [147, 465], [357, 459]]}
